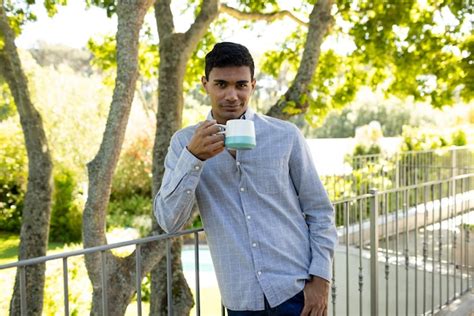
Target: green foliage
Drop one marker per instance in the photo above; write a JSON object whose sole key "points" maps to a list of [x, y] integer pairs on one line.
{"points": [[73, 124], [459, 138], [416, 139], [258, 5], [146, 288], [133, 211], [133, 175], [13, 175], [130, 201], [410, 48], [20, 12], [109, 5], [419, 46], [360, 150], [288, 55], [66, 213], [104, 59], [195, 66], [80, 288], [7, 105], [391, 114]]}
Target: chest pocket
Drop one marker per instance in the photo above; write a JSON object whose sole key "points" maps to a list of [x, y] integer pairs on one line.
{"points": [[271, 176]]}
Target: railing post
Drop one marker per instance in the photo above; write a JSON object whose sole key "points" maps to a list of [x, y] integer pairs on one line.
{"points": [[374, 245]]}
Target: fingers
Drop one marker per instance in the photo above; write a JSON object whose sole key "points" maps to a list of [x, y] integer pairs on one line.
{"points": [[306, 310], [208, 128], [216, 146], [314, 311], [205, 142]]}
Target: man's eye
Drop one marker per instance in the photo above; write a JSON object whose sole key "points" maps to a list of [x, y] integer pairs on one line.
{"points": [[242, 85], [220, 84]]}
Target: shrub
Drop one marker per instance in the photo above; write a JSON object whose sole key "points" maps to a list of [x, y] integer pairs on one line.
{"points": [[13, 175], [80, 288], [134, 211], [130, 201], [416, 139], [66, 213], [459, 138], [133, 175]]}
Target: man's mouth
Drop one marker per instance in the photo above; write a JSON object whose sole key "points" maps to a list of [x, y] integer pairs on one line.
{"points": [[230, 107]]}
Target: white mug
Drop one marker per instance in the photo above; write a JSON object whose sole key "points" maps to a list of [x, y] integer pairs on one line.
{"points": [[239, 134]]}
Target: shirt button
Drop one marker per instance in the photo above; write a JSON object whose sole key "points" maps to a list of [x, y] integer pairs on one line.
{"points": [[197, 167], [259, 272], [254, 244], [242, 189], [238, 163], [248, 217], [188, 191]]}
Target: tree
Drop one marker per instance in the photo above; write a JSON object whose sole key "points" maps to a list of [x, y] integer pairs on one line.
{"points": [[297, 96], [175, 51], [37, 204], [409, 49], [100, 170]]}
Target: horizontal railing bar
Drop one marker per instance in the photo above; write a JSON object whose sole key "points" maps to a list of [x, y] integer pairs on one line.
{"points": [[352, 199], [73, 253], [425, 151], [427, 184]]}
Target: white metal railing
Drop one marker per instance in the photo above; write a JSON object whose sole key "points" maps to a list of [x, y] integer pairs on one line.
{"points": [[378, 234]]}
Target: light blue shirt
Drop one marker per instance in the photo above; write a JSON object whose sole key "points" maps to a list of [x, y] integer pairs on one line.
{"points": [[268, 220]]}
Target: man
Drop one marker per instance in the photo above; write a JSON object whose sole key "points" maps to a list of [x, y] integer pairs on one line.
{"points": [[268, 220]]}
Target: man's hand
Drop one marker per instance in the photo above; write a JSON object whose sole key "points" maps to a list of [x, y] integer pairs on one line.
{"points": [[206, 143], [316, 297]]}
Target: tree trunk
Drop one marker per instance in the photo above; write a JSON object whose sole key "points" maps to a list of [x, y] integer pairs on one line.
{"points": [[175, 51], [120, 274], [320, 20], [37, 206]]}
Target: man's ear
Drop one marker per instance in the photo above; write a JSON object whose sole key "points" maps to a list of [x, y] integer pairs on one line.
{"points": [[204, 82], [254, 84]]}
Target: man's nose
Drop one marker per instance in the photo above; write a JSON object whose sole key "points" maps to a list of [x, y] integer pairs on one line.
{"points": [[231, 94]]}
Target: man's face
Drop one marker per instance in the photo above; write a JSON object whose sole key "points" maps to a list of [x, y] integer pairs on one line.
{"points": [[229, 89]]}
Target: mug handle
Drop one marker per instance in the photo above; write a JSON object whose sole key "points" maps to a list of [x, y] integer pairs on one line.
{"points": [[222, 129]]}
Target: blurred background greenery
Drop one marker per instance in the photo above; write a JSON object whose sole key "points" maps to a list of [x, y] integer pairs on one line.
{"points": [[367, 89]]}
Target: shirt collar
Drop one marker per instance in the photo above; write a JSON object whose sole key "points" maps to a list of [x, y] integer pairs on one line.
{"points": [[248, 115]]}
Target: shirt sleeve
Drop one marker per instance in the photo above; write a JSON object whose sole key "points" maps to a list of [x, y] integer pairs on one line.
{"points": [[315, 204], [174, 201]]}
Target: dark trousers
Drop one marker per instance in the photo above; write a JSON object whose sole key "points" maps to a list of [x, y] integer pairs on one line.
{"points": [[292, 307]]}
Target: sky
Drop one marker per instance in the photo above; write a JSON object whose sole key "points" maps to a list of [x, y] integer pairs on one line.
{"points": [[74, 25]]}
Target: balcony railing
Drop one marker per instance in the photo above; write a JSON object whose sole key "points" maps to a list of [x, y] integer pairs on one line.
{"points": [[403, 250], [389, 171], [413, 244]]}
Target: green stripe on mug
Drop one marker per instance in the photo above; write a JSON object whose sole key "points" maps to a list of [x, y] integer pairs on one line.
{"points": [[240, 142]]}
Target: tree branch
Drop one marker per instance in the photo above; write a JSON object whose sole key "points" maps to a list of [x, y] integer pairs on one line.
{"points": [[320, 21], [268, 17], [209, 11], [164, 18]]}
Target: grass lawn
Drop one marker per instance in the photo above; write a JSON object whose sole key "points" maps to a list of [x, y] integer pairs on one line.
{"points": [[8, 247], [79, 285]]}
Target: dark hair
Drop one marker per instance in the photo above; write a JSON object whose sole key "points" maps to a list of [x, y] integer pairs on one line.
{"points": [[227, 54]]}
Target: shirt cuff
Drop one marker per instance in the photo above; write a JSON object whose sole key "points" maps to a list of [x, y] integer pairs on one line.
{"points": [[321, 269], [187, 161]]}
